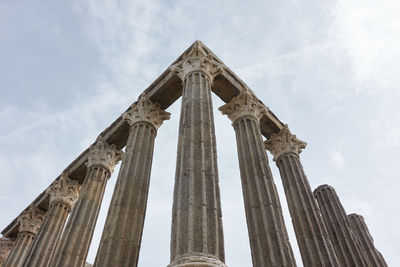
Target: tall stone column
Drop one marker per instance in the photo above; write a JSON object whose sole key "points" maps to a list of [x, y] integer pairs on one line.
{"points": [[5, 247], [196, 236], [122, 234], [74, 244], [312, 236], [347, 248], [366, 241], [63, 194], [269, 240], [29, 223]]}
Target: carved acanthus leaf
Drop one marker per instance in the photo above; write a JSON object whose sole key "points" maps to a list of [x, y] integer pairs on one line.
{"points": [[103, 154], [30, 220], [64, 190], [197, 59], [146, 110], [244, 104], [5, 246], [284, 142]]}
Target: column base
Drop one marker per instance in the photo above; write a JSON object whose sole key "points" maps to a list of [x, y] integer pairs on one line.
{"points": [[197, 260]]}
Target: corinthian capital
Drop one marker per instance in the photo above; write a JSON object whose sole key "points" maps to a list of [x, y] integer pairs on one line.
{"points": [[244, 104], [146, 110], [103, 154], [197, 59], [5, 246], [30, 220], [284, 142], [64, 190]]}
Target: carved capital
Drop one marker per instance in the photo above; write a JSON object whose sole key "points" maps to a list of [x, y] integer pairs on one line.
{"points": [[284, 142], [197, 59], [244, 104], [146, 110], [30, 220], [103, 154], [5, 246], [64, 190], [197, 259]]}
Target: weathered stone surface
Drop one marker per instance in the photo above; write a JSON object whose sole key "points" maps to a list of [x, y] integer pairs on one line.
{"points": [[5, 247], [197, 236], [63, 194], [312, 237], [75, 241], [344, 241], [269, 240], [122, 234], [29, 223], [360, 228]]}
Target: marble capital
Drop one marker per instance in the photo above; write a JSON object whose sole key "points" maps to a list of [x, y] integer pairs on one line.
{"points": [[5, 246], [145, 110], [30, 220], [64, 190], [197, 259], [197, 59], [103, 154], [244, 104], [284, 142]]}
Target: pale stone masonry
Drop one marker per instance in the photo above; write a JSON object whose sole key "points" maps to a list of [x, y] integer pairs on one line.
{"points": [[122, 234], [29, 223], [5, 247], [344, 241], [197, 236], [77, 236], [268, 236], [63, 194], [312, 236], [360, 228]]}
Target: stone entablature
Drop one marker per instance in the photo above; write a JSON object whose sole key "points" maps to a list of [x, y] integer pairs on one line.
{"points": [[284, 142], [103, 154], [146, 110], [64, 190], [30, 220]]}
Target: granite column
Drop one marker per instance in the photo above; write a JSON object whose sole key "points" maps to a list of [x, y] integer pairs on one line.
{"points": [[196, 236], [122, 234], [269, 240], [74, 244], [315, 246], [366, 241], [29, 223], [63, 194]]}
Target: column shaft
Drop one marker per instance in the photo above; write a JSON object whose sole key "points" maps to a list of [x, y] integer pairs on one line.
{"points": [[120, 242], [373, 256], [347, 248], [77, 236], [197, 236], [268, 236]]}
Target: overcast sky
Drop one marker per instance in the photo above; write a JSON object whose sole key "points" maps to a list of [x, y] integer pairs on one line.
{"points": [[330, 69]]}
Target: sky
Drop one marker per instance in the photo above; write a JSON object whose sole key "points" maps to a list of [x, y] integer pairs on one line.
{"points": [[329, 69]]}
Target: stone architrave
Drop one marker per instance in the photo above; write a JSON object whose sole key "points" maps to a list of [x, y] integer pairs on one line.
{"points": [[373, 256], [315, 246], [29, 223], [344, 241], [74, 244], [197, 235], [5, 247], [125, 219], [268, 236], [63, 193]]}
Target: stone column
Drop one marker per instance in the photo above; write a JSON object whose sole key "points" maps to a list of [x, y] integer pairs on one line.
{"points": [[5, 247], [269, 240], [347, 248], [74, 244], [29, 223], [122, 234], [196, 236], [63, 194], [312, 236], [366, 241]]}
